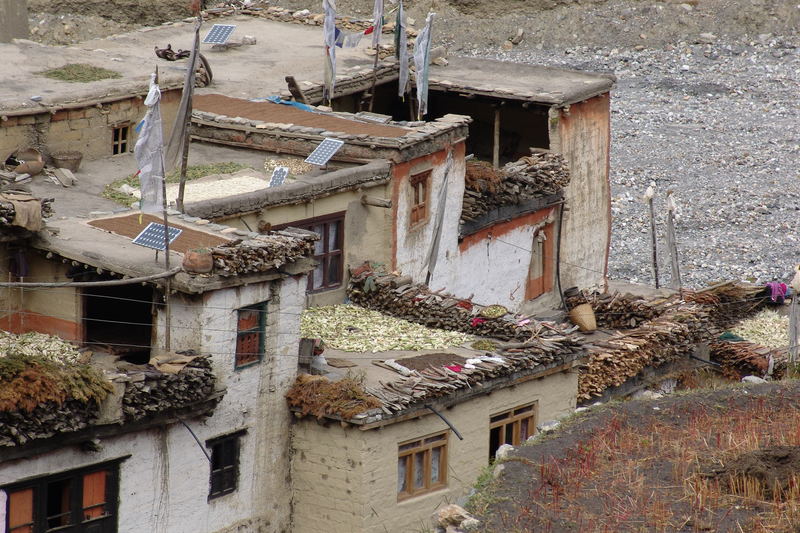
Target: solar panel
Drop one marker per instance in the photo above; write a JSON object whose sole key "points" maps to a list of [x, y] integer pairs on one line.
{"points": [[153, 236], [324, 151], [219, 34], [278, 176]]}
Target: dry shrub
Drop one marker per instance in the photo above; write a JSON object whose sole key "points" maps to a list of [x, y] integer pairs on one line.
{"points": [[482, 176], [27, 381], [319, 396]]}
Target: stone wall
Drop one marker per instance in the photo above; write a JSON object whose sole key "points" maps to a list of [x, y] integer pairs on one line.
{"points": [[345, 479], [86, 129]]}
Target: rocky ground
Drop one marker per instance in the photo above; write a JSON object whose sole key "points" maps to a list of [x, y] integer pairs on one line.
{"points": [[705, 105]]}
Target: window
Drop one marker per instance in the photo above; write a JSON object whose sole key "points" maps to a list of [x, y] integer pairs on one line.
{"points": [[119, 143], [79, 501], [420, 184], [421, 466], [327, 250], [511, 427], [224, 464], [250, 333]]}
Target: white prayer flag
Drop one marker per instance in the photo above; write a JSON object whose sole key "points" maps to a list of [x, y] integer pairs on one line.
{"points": [[329, 31], [422, 52], [401, 50], [377, 24], [149, 153]]}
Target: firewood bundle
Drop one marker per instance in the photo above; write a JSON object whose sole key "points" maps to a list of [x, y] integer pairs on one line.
{"points": [[742, 358], [732, 300], [671, 336], [400, 297], [537, 175], [625, 311], [160, 391], [262, 253], [44, 421], [8, 213]]}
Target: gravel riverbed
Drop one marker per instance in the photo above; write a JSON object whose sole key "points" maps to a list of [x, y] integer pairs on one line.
{"points": [[718, 123]]}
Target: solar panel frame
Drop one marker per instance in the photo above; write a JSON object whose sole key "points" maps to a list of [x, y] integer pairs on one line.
{"points": [[153, 236], [324, 151], [279, 175], [219, 34]]}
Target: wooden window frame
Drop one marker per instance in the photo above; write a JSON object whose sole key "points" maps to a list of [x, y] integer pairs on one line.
{"points": [[514, 418], [243, 360], [120, 138], [327, 255], [217, 471], [424, 445], [77, 505], [420, 184]]}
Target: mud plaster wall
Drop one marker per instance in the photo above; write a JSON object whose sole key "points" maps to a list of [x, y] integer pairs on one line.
{"points": [[498, 260], [345, 480], [88, 129], [254, 399], [411, 244], [583, 136], [54, 311], [367, 229], [13, 20]]}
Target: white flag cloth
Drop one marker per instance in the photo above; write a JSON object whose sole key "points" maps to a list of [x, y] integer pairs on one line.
{"points": [[401, 50], [149, 153], [422, 52], [329, 31], [377, 24]]}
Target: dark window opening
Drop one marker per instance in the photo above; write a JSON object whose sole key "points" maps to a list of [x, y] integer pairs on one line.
{"points": [[120, 319], [250, 334], [224, 464], [511, 427], [119, 142], [79, 501]]}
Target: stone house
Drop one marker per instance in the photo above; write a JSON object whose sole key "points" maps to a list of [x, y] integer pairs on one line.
{"points": [[515, 107], [195, 367], [96, 118], [415, 429], [396, 194]]}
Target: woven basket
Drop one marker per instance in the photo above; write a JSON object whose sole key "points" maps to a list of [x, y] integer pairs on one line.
{"points": [[583, 316], [70, 160]]}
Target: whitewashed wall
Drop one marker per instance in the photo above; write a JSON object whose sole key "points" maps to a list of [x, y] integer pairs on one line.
{"points": [[164, 483]]}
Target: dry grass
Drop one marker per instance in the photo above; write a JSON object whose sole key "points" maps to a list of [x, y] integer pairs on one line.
{"points": [[319, 396], [661, 473], [80, 73]]}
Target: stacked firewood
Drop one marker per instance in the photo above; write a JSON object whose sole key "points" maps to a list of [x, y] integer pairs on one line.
{"points": [[742, 358], [400, 297], [160, 391], [613, 361], [622, 311], [486, 188], [731, 301], [7, 211], [45, 420], [263, 253]]}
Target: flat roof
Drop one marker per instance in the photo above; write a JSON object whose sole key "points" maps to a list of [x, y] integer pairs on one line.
{"points": [[536, 83], [23, 60], [287, 114]]}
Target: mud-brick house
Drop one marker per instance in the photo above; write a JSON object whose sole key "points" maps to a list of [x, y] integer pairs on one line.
{"points": [[170, 416], [383, 439], [515, 107], [401, 194], [97, 118]]}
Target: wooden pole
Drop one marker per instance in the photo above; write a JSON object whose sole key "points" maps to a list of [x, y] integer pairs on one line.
{"points": [[672, 244], [167, 319], [648, 195], [794, 320], [496, 145], [187, 120]]}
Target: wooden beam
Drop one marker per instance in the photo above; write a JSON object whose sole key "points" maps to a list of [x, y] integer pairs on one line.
{"points": [[496, 146]]}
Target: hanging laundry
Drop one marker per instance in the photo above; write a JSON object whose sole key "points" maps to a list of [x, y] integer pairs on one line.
{"points": [[777, 291]]}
